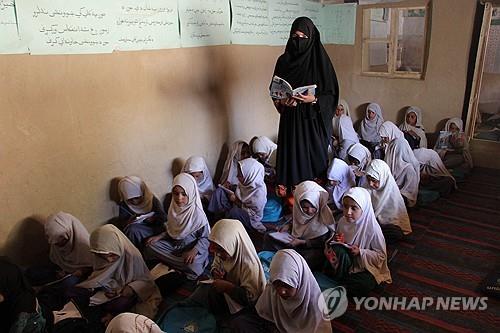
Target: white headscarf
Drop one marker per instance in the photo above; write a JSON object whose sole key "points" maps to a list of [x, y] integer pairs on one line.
{"points": [[253, 192], [132, 187], [75, 254], [369, 128], [306, 226], [460, 124], [335, 119], [197, 164], [418, 128], [230, 171], [343, 174], [405, 168], [132, 323], [264, 145], [389, 130], [431, 164], [128, 270], [361, 153], [367, 235], [185, 220], [244, 268], [388, 204], [301, 313]]}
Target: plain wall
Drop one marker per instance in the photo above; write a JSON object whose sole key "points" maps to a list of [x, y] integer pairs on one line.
{"points": [[71, 123]]}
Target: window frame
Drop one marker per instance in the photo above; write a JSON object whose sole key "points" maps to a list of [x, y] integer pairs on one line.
{"points": [[392, 40]]}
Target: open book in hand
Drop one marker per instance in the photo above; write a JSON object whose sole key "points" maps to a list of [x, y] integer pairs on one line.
{"points": [[331, 242], [281, 89], [143, 217], [160, 270], [70, 310], [283, 237]]}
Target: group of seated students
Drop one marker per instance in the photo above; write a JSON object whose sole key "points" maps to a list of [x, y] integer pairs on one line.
{"points": [[338, 229]]}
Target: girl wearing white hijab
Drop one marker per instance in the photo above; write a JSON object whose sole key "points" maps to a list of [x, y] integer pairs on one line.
{"points": [[264, 150], [196, 167], [358, 158], [404, 166], [456, 154], [388, 203], [137, 200], [342, 178], [132, 323], [312, 220], [413, 129], [237, 272], [343, 131], [433, 174], [184, 244], [292, 298], [369, 128], [247, 203], [120, 276], [362, 264], [70, 257], [239, 151]]}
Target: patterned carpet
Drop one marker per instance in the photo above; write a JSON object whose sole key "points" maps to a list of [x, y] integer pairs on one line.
{"points": [[455, 244]]}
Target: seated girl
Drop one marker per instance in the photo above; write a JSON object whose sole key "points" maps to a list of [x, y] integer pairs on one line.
{"points": [[240, 150], [291, 301], [404, 166], [357, 257], [237, 272], [132, 323], [69, 253], [433, 174], [387, 201], [137, 201], [247, 203], [264, 150], [196, 167], [343, 131], [19, 308], [414, 131], [310, 227], [358, 157], [369, 128], [341, 178], [456, 153], [121, 281], [183, 246]]}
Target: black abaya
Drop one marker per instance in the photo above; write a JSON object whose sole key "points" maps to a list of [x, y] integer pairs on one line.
{"points": [[304, 130]]}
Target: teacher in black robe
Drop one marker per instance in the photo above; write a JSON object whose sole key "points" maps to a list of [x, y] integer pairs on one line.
{"points": [[306, 121]]}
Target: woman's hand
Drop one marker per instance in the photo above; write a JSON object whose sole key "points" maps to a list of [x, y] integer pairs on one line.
{"points": [[297, 242], [354, 250], [339, 237], [305, 98], [127, 291], [218, 273], [153, 239], [285, 227], [190, 255], [222, 286]]}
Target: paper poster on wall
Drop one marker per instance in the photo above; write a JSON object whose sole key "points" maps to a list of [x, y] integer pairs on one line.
{"points": [[67, 26], [250, 23], [147, 25], [10, 41], [339, 24], [204, 22], [313, 11], [282, 13]]}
